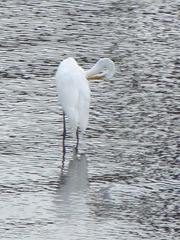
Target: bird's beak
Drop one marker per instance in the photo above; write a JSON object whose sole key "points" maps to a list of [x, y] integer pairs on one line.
{"points": [[95, 78]]}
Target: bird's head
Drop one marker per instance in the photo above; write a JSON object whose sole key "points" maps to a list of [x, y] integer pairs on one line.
{"points": [[103, 69]]}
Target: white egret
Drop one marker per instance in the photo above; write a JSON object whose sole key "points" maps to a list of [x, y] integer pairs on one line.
{"points": [[73, 90]]}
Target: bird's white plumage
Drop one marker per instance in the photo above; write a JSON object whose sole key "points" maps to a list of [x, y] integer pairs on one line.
{"points": [[73, 92], [73, 88]]}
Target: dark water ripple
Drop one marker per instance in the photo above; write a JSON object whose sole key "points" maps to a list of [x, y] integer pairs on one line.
{"points": [[124, 183]]}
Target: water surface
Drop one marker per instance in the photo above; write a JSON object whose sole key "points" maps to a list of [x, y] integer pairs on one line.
{"points": [[124, 181]]}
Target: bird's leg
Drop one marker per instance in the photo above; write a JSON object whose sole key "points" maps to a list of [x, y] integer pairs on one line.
{"points": [[77, 139], [64, 134]]}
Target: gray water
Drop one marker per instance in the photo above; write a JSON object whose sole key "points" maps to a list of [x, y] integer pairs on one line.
{"points": [[124, 181]]}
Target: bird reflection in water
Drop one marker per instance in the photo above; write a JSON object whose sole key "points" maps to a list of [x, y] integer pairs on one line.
{"points": [[74, 152], [73, 182]]}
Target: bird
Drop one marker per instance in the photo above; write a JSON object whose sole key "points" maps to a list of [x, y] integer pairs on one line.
{"points": [[74, 92]]}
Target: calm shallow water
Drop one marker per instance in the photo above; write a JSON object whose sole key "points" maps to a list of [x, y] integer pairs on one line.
{"points": [[124, 182]]}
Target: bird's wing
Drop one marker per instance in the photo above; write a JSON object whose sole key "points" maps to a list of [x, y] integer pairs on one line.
{"points": [[83, 104], [67, 94], [74, 94]]}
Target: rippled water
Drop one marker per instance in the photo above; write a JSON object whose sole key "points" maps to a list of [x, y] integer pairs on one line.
{"points": [[124, 182]]}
